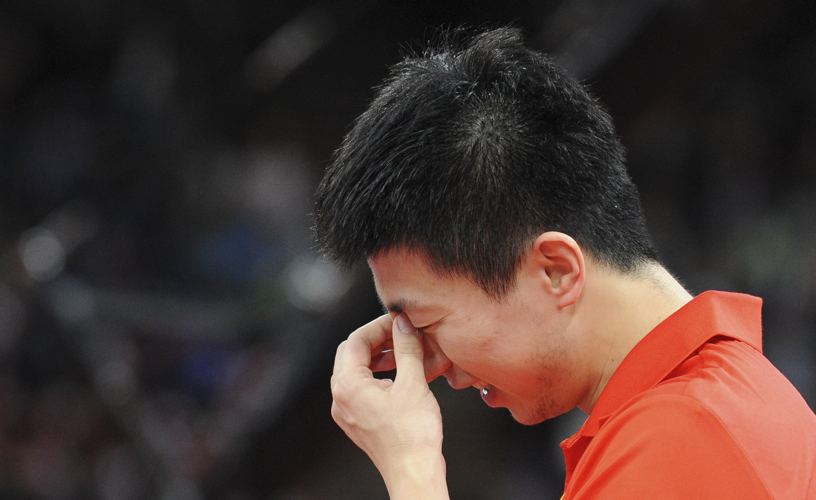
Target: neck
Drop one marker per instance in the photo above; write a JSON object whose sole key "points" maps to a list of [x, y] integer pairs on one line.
{"points": [[616, 311]]}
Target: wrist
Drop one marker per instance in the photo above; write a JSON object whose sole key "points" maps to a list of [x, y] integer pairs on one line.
{"points": [[417, 476]]}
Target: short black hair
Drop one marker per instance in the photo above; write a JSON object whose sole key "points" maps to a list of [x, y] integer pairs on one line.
{"points": [[467, 153]]}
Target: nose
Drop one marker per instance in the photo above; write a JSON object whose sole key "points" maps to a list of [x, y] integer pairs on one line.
{"points": [[436, 362]]}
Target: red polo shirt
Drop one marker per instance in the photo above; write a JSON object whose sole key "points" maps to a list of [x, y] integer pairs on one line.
{"points": [[696, 411]]}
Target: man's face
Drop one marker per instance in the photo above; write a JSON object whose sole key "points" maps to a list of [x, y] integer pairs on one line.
{"points": [[519, 347]]}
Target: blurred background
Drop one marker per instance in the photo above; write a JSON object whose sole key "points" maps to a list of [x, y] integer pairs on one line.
{"points": [[166, 328]]}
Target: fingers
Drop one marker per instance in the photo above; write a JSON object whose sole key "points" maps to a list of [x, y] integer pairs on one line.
{"points": [[408, 352], [355, 353], [383, 362]]}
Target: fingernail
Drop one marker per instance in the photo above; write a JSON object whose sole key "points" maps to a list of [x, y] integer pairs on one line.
{"points": [[404, 324]]}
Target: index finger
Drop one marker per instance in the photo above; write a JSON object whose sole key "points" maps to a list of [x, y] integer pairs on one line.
{"points": [[355, 351]]}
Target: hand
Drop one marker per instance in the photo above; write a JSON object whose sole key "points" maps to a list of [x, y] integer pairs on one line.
{"points": [[398, 424]]}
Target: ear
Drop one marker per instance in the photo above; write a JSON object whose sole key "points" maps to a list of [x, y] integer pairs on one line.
{"points": [[561, 266]]}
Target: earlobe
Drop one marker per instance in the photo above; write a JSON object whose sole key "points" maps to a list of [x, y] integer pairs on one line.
{"points": [[561, 264]]}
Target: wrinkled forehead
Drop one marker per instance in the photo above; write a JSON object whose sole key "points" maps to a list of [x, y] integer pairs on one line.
{"points": [[400, 269], [406, 282], [414, 258]]}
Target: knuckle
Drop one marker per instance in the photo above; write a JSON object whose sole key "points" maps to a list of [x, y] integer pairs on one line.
{"points": [[412, 348], [339, 393], [341, 346]]}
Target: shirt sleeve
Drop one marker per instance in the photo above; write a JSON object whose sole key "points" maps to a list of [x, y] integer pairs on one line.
{"points": [[666, 447]]}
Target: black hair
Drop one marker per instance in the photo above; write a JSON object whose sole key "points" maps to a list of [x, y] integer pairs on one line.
{"points": [[469, 152]]}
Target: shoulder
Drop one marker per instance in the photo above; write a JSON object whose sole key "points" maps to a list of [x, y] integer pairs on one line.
{"points": [[666, 446]]}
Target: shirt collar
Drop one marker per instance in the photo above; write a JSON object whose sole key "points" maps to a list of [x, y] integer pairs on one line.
{"points": [[708, 315]]}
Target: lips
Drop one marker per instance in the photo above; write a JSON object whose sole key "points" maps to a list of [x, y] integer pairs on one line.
{"points": [[488, 396]]}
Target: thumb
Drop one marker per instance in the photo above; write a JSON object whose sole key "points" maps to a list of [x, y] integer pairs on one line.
{"points": [[407, 350]]}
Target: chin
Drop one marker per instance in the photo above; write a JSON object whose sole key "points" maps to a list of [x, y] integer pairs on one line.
{"points": [[527, 416], [528, 421]]}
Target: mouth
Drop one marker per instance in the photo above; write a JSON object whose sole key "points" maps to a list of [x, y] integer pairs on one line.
{"points": [[486, 391], [488, 395]]}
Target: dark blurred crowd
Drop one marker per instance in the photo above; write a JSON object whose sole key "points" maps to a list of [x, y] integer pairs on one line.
{"points": [[166, 328]]}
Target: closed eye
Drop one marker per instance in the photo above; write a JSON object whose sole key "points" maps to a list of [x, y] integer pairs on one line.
{"points": [[428, 329]]}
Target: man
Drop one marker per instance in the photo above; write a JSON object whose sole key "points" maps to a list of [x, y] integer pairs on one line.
{"points": [[488, 193]]}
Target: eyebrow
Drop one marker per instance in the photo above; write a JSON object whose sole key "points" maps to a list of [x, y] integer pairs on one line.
{"points": [[401, 305]]}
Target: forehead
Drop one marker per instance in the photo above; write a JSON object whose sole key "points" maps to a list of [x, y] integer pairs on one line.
{"points": [[405, 282]]}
